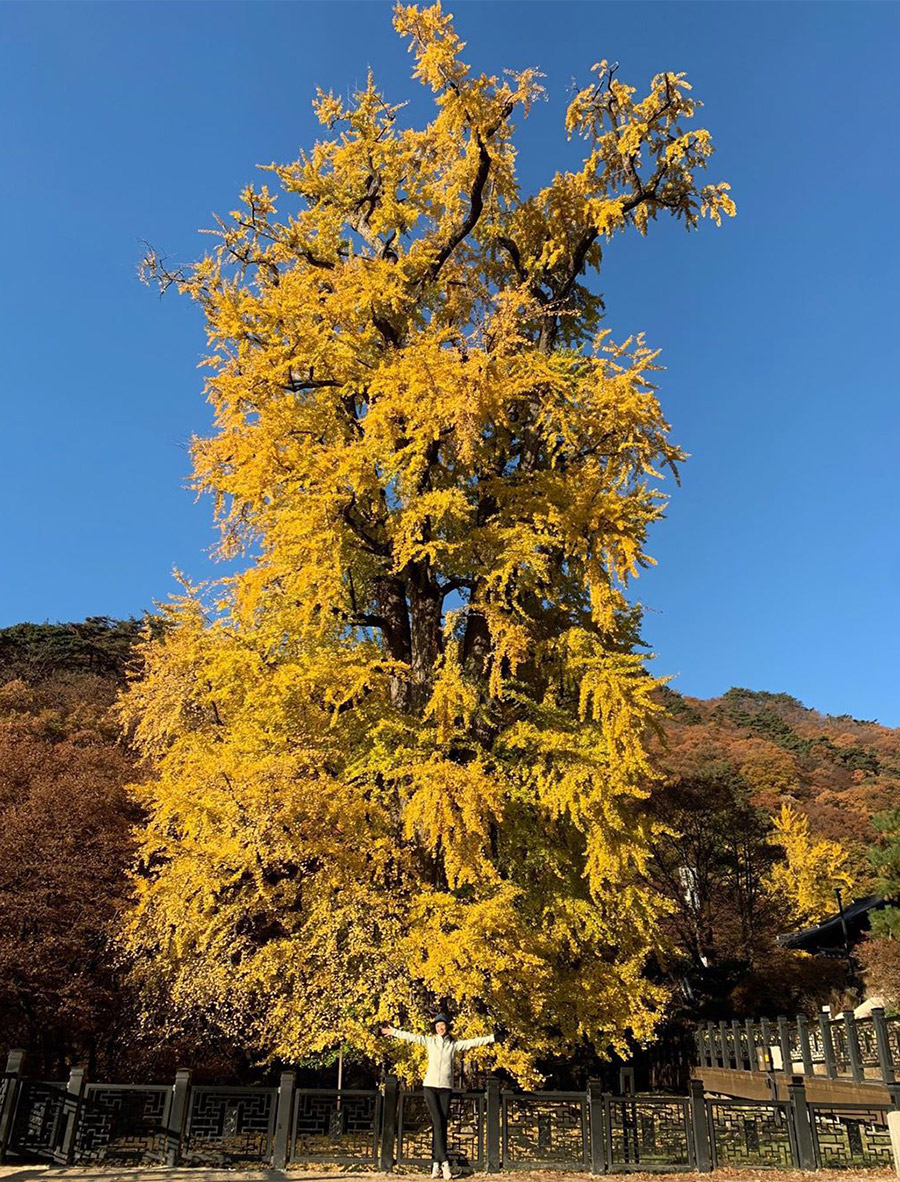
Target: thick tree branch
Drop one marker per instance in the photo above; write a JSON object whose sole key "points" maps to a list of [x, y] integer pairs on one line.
{"points": [[382, 549], [515, 256], [313, 261], [476, 194], [456, 584], [386, 329], [297, 383], [476, 204]]}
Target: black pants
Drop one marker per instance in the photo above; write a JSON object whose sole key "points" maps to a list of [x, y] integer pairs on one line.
{"points": [[438, 1103]]}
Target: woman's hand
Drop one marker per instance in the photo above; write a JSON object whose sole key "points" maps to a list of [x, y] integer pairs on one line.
{"points": [[385, 1030]]}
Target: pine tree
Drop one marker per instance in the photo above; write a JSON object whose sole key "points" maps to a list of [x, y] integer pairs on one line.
{"points": [[884, 856]]}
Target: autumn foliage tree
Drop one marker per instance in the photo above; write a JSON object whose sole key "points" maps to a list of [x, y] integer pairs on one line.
{"points": [[733, 887], [711, 857], [880, 951], [401, 755], [809, 870], [65, 843]]}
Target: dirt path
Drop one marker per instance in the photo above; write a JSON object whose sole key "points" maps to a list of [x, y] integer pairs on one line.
{"points": [[333, 1173]]}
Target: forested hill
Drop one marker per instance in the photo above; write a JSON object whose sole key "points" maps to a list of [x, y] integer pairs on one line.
{"points": [[99, 645], [838, 769], [65, 842], [67, 817]]}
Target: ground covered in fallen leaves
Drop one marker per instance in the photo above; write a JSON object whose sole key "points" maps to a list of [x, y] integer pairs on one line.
{"points": [[41, 1173]]}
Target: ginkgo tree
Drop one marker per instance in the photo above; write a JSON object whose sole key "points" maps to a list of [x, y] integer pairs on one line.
{"points": [[809, 870], [400, 758]]}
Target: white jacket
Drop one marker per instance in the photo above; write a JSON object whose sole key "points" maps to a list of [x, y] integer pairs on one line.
{"points": [[441, 1049]]}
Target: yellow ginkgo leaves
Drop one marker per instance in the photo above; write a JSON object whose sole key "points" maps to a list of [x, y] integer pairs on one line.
{"points": [[401, 756]]}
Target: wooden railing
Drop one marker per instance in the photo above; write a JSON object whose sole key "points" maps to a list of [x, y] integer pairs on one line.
{"points": [[842, 1047]]}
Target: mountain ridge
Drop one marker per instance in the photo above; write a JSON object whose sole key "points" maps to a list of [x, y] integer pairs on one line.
{"points": [[839, 769]]}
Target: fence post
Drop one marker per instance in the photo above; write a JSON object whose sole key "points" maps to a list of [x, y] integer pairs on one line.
{"points": [[388, 1123], [700, 1128], [893, 1124], [784, 1041], [492, 1132], [827, 1045], [883, 1042], [74, 1090], [177, 1115], [738, 1044], [805, 1048], [711, 1043], [803, 1130], [765, 1027], [595, 1116], [723, 1051], [750, 1026], [13, 1074], [853, 1045], [284, 1102], [723, 1041], [701, 1046]]}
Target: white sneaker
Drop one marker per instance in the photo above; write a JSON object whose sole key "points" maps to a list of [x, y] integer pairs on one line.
{"points": [[435, 1170], [445, 1169]]}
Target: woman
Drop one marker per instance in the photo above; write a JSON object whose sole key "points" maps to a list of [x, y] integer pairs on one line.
{"points": [[438, 1082]]}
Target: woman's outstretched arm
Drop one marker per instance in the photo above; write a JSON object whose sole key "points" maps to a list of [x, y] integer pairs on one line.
{"points": [[405, 1035], [463, 1044]]}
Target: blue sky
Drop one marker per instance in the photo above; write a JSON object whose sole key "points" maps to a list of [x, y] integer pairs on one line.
{"points": [[778, 560]]}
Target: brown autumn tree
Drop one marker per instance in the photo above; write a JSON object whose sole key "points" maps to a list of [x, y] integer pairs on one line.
{"points": [[64, 843], [713, 858]]}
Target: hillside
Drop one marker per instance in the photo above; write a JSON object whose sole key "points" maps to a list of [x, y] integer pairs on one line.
{"points": [[65, 818], [98, 645], [730, 764], [838, 769]]}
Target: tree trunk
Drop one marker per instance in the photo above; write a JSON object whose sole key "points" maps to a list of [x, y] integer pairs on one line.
{"points": [[390, 596], [426, 607]]}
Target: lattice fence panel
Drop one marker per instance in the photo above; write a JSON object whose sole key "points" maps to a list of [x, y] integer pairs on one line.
{"points": [[230, 1124], [726, 1040], [841, 1051], [893, 1033], [539, 1130], [850, 1136], [335, 1126], [868, 1045], [795, 1043], [647, 1132], [747, 1134], [465, 1132], [742, 1048], [40, 1119], [756, 1047], [816, 1045], [123, 1124]]}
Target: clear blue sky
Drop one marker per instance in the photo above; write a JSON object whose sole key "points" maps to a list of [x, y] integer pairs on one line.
{"points": [[778, 561]]}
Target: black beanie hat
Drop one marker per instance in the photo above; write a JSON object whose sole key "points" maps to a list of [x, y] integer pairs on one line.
{"points": [[439, 1018]]}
